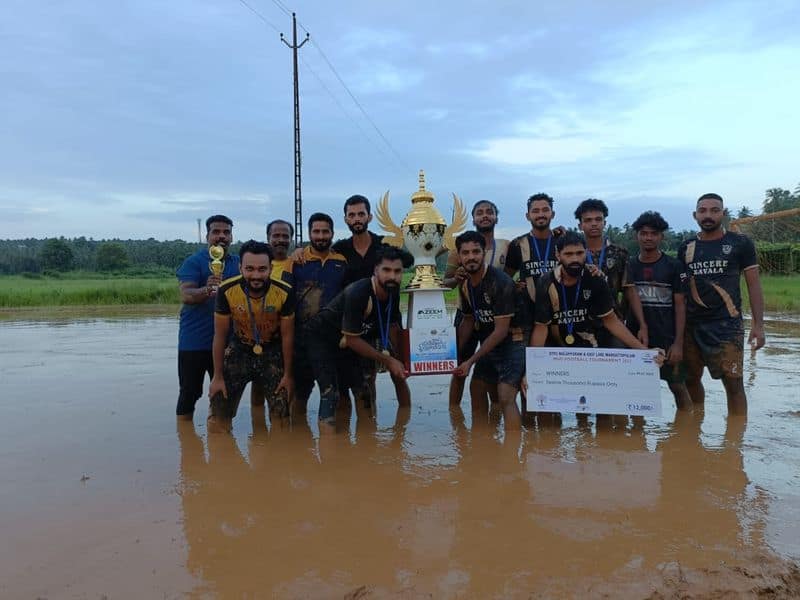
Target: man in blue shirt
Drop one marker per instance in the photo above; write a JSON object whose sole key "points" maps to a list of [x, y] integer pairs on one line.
{"points": [[198, 287]]}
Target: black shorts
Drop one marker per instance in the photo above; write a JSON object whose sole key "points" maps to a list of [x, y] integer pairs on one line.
{"points": [[717, 344], [242, 366], [505, 363]]}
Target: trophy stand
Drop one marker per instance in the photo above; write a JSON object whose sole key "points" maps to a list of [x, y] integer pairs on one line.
{"points": [[431, 335]]}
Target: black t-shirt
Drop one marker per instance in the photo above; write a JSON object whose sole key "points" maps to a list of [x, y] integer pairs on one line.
{"points": [[354, 311], [713, 268], [359, 267], [587, 302], [493, 297], [532, 258], [655, 282]]}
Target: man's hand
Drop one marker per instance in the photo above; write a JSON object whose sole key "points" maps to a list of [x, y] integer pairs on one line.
{"points": [[462, 370], [286, 384], [660, 357], [396, 369], [594, 270], [523, 385], [297, 256], [675, 353], [757, 338], [217, 385], [559, 231], [642, 335], [212, 283], [460, 274]]}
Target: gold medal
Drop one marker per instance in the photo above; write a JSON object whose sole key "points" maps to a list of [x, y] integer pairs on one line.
{"points": [[385, 352], [570, 339], [257, 349]]}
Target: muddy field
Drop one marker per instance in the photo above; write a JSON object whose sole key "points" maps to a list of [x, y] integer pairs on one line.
{"points": [[103, 495]]}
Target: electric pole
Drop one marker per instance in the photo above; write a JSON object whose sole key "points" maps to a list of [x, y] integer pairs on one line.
{"points": [[298, 196]]}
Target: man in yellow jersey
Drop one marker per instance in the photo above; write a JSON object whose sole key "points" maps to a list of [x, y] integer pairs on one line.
{"points": [[253, 337]]}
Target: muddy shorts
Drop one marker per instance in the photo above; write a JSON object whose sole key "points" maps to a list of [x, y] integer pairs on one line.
{"points": [[242, 366], [504, 364], [717, 344], [470, 345]]}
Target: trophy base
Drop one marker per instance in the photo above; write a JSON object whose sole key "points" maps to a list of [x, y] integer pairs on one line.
{"points": [[425, 278]]}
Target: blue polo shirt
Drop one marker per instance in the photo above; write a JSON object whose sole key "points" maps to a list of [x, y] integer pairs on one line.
{"points": [[196, 330]]}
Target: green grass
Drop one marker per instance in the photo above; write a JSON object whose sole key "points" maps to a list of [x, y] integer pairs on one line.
{"points": [[92, 289], [781, 293]]}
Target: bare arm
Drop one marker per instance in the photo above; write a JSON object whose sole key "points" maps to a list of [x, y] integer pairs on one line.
{"points": [[753, 280], [632, 296], [360, 346], [538, 335], [192, 294], [454, 273], [501, 325], [222, 324], [675, 352]]}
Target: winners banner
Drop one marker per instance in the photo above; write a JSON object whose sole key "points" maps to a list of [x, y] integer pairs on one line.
{"points": [[593, 380]]}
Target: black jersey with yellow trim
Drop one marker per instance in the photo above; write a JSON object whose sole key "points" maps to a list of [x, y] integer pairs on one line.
{"points": [[277, 303]]}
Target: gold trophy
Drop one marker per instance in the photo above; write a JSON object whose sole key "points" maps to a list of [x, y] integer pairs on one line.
{"points": [[217, 253], [424, 232]]}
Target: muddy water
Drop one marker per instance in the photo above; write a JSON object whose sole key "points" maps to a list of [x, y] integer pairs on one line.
{"points": [[101, 493]]}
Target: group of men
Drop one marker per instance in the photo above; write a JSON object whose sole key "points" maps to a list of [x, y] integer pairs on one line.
{"points": [[329, 313]]}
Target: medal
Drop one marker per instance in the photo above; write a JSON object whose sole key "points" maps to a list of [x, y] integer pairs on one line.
{"points": [[601, 260], [383, 328], [257, 347], [385, 352], [569, 338]]}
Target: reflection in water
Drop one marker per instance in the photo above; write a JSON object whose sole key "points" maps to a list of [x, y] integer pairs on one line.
{"points": [[298, 519]]}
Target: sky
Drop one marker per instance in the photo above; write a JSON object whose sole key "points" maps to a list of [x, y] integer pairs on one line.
{"points": [[134, 118]]}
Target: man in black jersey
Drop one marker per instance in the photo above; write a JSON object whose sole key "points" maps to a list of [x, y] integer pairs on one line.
{"points": [[611, 260], [364, 315], [487, 300], [714, 262], [657, 280]]}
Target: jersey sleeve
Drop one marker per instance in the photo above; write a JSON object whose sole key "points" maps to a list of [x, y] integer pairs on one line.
{"points": [[543, 306], [603, 301], [630, 273], [287, 310], [514, 256], [189, 271], [463, 301], [222, 305], [678, 278], [355, 303], [747, 254]]}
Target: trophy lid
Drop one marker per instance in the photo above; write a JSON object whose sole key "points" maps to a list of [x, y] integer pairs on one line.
{"points": [[423, 212]]}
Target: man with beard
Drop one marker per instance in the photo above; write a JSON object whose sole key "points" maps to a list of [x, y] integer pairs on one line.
{"points": [[573, 306], [484, 218], [488, 299], [198, 288], [261, 314], [279, 237], [318, 278], [365, 312], [657, 279], [611, 260], [714, 262]]}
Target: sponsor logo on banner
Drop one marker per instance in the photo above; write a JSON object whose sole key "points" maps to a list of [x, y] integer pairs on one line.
{"points": [[430, 313]]}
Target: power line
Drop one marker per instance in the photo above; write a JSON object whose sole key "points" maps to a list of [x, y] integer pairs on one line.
{"points": [[282, 7], [342, 108], [358, 104], [259, 15]]}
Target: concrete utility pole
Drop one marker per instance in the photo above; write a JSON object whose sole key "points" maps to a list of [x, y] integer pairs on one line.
{"points": [[298, 196]]}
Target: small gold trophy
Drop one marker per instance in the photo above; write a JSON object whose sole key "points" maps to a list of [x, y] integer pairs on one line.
{"points": [[216, 253]]}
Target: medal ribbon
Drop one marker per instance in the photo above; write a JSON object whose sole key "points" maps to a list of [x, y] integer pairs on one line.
{"points": [[256, 334], [535, 244], [570, 326], [384, 331], [600, 262]]}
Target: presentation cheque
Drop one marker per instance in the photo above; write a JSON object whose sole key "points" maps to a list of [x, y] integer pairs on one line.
{"points": [[593, 380]]}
